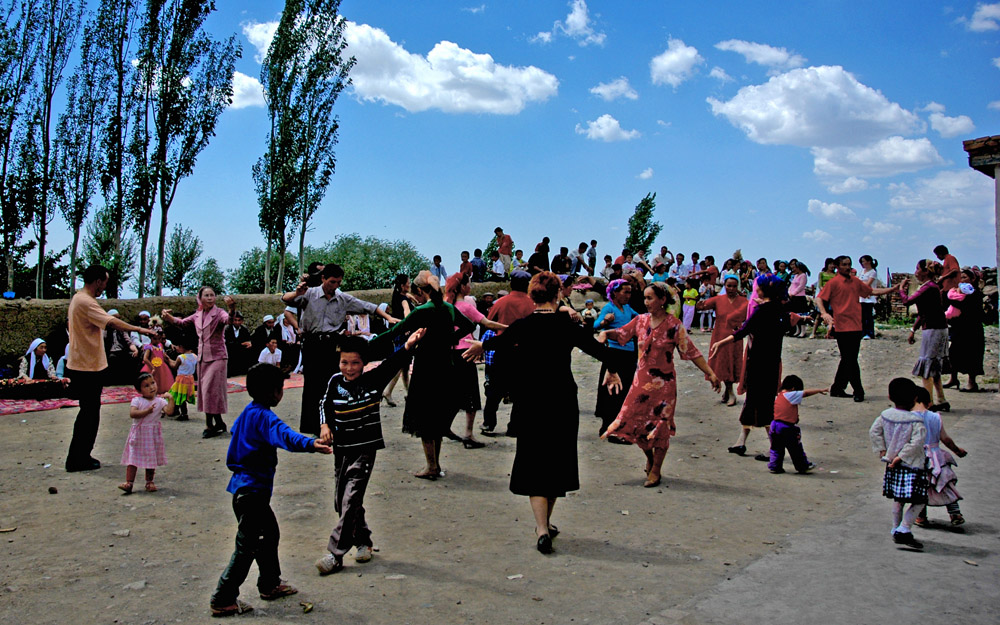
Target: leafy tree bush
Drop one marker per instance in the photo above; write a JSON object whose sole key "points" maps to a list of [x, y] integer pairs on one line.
{"points": [[642, 230]]}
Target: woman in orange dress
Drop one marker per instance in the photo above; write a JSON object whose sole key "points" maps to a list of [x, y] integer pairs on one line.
{"points": [[647, 416], [730, 312]]}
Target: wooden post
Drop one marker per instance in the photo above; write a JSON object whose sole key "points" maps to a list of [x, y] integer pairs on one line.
{"points": [[984, 156]]}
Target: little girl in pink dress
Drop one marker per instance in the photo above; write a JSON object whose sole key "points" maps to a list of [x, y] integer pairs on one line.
{"points": [[144, 446]]}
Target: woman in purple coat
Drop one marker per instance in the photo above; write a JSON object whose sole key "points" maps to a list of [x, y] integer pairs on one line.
{"points": [[210, 323]]}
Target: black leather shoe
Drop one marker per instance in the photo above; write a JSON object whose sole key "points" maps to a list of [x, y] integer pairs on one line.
{"points": [[739, 450], [553, 531], [470, 443], [839, 394], [859, 398], [545, 544], [90, 464]]}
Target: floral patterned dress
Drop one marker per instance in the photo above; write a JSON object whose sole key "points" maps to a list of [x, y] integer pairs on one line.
{"points": [[649, 405]]}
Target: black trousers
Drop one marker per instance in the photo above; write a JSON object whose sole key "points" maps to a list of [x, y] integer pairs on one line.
{"points": [[319, 363], [257, 536], [848, 371], [868, 319], [85, 387]]}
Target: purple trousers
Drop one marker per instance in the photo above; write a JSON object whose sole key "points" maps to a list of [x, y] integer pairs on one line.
{"points": [[787, 436]]}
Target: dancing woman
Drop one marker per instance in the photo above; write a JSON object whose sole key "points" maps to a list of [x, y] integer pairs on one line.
{"points": [[647, 415], [210, 323], [545, 400], [730, 312], [615, 314], [933, 360]]}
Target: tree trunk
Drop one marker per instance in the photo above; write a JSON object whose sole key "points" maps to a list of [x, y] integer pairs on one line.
{"points": [[282, 244], [72, 259], [142, 258], [159, 252], [267, 266]]}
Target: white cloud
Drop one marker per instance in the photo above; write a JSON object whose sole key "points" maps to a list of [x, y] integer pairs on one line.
{"points": [[260, 34], [662, 123], [763, 54], [994, 105], [815, 106], [830, 210], [617, 88], [883, 158], [450, 78], [479, 9], [850, 185], [720, 74], [949, 127], [961, 189], [996, 62], [986, 17], [577, 25], [646, 174], [247, 91], [606, 128], [817, 235], [675, 65], [881, 227]]}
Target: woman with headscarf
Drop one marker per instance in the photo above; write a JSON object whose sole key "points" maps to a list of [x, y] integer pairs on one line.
{"points": [[933, 359], [37, 370], [434, 396], [647, 415], [209, 322], [615, 314], [730, 308], [965, 315], [545, 400]]}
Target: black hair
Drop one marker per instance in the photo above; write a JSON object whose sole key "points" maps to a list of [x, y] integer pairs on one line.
{"points": [[608, 257], [401, 279], [332, 270], [237, 315], [356, 345], [802, 267], [314, 267], [710, 258], [142, 378], [94, 273], [922, 396], [792, 383], [871, 260], [466, 252], [478, 252], [564, 250], [262, 382], [941, 249], [519, 281], [903, 392]]}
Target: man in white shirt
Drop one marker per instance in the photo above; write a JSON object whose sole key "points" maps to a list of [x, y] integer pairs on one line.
{"points": [[271, 355], [438, 270], [578, 261]]}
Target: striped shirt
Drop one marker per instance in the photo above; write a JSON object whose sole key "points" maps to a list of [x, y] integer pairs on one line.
{"points": [[351, 408]]}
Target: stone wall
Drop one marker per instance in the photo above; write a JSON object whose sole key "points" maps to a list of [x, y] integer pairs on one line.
{"points": [[23, 320]]}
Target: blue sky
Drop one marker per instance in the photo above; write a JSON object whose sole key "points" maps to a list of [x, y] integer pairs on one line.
{"points": [[784, 129]]}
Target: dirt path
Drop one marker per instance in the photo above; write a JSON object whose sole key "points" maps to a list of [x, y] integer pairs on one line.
{"points": [[460, 550]]}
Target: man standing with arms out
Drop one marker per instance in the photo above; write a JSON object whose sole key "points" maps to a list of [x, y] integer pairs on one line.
{"points": [[505, 247], [578, 261], [950, 270], [324, 310], [87, 364], [841, 295], [592, 257]]}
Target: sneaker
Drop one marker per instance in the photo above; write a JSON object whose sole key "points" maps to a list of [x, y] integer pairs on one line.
{"points": [[921, 522], [329, 564], [364, 554], [279, 591], [809, 467], [776, 470], [906, 538]]}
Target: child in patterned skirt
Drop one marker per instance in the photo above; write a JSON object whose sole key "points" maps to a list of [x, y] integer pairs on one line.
{"points": [[144, 447], [183, 389], [897, 436]]}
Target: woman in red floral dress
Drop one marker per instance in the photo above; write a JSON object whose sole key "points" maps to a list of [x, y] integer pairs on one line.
{"points": [[647, 416], [730, 313]]}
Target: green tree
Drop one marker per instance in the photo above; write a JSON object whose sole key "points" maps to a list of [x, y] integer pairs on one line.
{"points": [[61, 23], [642, 230], [187, 80], [19, 49], [369, 262], [181, 257], [249, 275], [101, 245], [209, 274]]}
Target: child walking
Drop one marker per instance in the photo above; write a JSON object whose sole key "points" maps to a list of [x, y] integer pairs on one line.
{"points": [[183, 390], [252, 457], [898, 436], [942, 478], [350, 420], [784, 430], [144, 446]]}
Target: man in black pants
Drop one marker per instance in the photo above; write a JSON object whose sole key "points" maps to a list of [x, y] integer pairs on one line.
{"points": [[324, 309], [87, 363]]}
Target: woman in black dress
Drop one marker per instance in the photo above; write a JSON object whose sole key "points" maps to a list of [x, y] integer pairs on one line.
{"points": [[545, 401], [967, 341]]}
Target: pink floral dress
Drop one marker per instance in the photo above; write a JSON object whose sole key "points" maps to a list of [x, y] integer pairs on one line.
{"points": [[649, 405], [144, 446]]}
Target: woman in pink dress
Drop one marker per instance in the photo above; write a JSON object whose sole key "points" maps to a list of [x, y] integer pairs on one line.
{"points": [[647, 416], [210, 323], [730, 312]]}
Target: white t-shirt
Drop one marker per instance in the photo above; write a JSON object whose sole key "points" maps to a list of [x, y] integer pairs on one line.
{"points": [[864, 277], [267, 357]]}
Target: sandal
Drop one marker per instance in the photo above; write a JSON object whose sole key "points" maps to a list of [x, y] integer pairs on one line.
{"points": [[151, 487], [126, 486], [921, 522], [240, 607], [651, 483], [957, 519], [279, 591], [426, 476]]}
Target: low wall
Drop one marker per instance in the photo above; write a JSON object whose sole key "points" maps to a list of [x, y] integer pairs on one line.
{"points": [[23, 320]]}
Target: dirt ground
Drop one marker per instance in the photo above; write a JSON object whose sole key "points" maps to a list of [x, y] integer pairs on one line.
{"points": [[461, 549]]}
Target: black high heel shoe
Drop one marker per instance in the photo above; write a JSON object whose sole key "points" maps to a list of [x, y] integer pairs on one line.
{"points": [[545, 544], [470, 443]]}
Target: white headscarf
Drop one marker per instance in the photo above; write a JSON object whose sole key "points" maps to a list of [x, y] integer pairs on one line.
{"points": [[30, 354]]}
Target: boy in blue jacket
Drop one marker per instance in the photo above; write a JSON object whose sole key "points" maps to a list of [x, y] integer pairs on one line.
{"points": [[252, 458]]}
